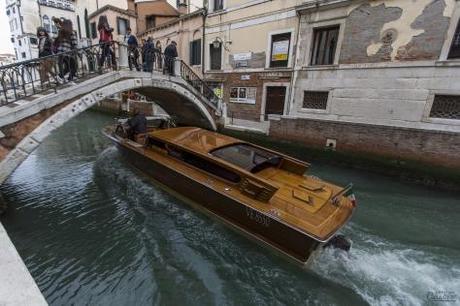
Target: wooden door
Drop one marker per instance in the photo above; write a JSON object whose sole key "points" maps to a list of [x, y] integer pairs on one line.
{"points": [[274, 104]]}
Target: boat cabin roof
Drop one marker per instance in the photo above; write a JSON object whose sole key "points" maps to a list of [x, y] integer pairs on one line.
{"points": [[194, 139]]}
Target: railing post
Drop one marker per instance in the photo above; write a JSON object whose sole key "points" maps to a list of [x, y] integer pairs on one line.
{"points": [[123, 55], [177, 66]]}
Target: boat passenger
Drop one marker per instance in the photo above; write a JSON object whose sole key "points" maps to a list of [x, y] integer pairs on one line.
{"points": [[137, 125]]}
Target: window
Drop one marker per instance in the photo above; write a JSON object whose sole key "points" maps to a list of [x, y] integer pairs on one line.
{"points": [[47, 23], [53, 27], [218, 5], [23, 54], [315, 99], [216, 56], [246, 95], [454, 51], [150, 21], [122, 25], [12, 39], [247, 157], [446, 107], [93, 30], [87, 27], [279, 53], [8, 12], [195, 52], [19, 42], [33, 41], [14, 10], [324, 45], [203, 164]]}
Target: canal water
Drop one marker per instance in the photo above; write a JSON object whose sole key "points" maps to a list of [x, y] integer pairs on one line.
{"points": [[94, 231]]}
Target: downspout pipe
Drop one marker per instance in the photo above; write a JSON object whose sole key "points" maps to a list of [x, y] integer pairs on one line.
{"points": [[203, 48]]}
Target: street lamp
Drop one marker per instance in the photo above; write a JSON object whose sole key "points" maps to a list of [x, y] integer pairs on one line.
{"points": [[217, 42]]}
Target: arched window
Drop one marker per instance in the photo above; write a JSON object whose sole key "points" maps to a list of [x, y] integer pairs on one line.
{"points": [[47, 23], [88, 35]]}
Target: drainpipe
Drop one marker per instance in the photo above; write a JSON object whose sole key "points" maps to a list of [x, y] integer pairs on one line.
{"points": [[203, 49], [294, 72]]}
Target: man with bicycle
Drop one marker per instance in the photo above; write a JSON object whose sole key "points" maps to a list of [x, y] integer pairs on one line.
{"points": [[133, 52]]}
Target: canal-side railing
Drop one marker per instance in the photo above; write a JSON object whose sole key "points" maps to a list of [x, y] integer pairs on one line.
{"points": [[47, 74]]}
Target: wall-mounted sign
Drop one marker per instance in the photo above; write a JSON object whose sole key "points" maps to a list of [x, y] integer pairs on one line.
{"points": [[280, 50], [245, 77], [240, 64], [242, 56]]}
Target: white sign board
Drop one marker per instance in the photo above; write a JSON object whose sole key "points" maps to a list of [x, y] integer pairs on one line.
{"points": [[242, 56]]}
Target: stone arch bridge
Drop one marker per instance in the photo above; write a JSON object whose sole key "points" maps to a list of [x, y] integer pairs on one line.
{"points": [[27, 121]]}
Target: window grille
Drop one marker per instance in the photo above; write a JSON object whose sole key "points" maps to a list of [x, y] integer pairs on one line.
{"points": [[446, 107], [315, 99]]}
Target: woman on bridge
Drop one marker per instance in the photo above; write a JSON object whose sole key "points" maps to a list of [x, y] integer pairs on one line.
{"points": [[45, 48], [106, 41]]}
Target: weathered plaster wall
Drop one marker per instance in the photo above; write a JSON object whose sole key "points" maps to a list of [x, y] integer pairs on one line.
{"points": [[398, 30]]}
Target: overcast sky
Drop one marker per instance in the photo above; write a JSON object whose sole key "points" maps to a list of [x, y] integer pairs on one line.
{"points": [[5, 43]]}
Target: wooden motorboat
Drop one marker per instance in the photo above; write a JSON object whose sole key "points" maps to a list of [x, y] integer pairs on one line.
{"points": [[263, 193]]}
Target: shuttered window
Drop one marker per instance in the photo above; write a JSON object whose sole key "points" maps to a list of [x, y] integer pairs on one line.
{"points": [[324, 45], [195, 52]]}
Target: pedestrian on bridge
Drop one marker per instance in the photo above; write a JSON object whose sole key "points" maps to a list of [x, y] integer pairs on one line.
{"points": [[45, 49], [65, 43], [149, 54], [133, 52], [106, 41], [170, 55]]}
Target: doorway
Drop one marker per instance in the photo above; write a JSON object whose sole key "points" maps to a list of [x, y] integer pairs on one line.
{"points": [[274, 103]]}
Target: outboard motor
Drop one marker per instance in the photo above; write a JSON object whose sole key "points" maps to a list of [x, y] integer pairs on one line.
{"points": [[339, 242]]}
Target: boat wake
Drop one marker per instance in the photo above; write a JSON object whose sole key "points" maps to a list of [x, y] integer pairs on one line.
{"points": [[386, 272], [181, 241]]}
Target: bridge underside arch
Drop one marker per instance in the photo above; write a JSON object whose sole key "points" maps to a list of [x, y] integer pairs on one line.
{"points": [[180, 107]]}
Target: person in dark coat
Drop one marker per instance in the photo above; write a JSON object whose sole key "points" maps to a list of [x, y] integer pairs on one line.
{"points": [[45, 48], [170, 55], [137, 125], [149, 54]]}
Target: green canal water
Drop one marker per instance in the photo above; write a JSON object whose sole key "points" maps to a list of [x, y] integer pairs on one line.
{"points": [[93, 231]]}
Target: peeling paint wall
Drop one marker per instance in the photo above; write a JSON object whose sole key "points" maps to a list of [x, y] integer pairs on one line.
{"points": [[397, 30]]}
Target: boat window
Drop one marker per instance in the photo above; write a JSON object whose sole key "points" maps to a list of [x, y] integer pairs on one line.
{"points": [[204, 164], [156, 123], [248, 157], [156, 143]]}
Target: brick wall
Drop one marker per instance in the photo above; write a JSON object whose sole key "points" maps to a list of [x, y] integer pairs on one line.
{"points": [[430, 147], [247, 111]]}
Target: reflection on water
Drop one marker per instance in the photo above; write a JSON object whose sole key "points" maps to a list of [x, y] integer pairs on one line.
{"points": [[94, 231]]}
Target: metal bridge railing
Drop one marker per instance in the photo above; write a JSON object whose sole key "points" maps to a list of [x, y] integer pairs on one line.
{"points": [[24, 79], [46, 74]]}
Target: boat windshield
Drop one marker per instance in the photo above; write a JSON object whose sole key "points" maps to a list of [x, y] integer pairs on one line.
{"points": [[247, 157]]}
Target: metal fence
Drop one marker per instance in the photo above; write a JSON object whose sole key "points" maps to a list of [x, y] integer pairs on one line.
{"points": [[47, 74]]}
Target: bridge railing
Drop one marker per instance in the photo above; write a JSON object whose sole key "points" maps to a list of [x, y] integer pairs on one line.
{"points": [[26, 78], [199, 84], [46, 74]]}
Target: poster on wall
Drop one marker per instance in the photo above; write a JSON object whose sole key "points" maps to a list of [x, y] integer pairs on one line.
{"points": [[280, 50]]}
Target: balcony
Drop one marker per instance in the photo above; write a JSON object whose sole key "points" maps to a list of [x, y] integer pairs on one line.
{"points": [[59, 4]]}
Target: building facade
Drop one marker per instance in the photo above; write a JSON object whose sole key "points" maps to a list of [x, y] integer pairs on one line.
{"points": [[249, 52], [379, 78], [371, 77]]}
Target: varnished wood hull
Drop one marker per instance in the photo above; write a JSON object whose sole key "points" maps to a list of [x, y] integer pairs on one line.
{"points": [[266, 228]]}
